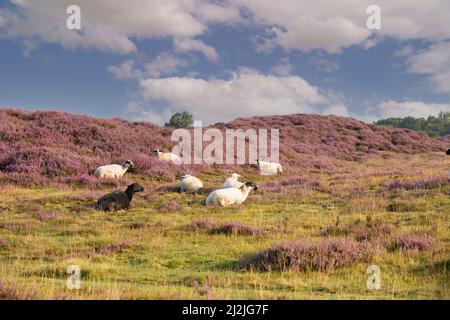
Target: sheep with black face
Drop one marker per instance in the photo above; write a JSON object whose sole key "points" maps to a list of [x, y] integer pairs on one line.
{"points": [[113, 170], [118, 200], [230, 196]]}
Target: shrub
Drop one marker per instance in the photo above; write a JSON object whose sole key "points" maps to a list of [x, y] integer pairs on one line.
{"points": [[414, 241], [326, 256]]}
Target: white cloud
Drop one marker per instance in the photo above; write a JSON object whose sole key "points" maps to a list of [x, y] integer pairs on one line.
{"points": [[106, 25], [136, 112], [337, 109], [435, 62], [418, 109], [322, 63], [246, 93], [292, 24], [284, 68], [187, 45], [28, 47], [215, 13], [124, 71], [165, 63], [333, 25]]}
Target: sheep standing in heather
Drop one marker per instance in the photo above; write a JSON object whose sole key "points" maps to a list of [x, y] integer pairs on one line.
{"points": [[113, 170], [118, 200], [232, 181], [190, 184], [167, 156], [269, 168], [229, 196]]}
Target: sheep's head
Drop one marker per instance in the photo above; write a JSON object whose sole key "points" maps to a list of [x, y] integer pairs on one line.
{"points": [[128, 164], [250, 184], [185, 176], [157, 152], [448, 152], [135, 187]]}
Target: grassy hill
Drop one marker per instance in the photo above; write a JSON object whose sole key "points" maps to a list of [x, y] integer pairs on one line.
{"points": [[352, 195]]}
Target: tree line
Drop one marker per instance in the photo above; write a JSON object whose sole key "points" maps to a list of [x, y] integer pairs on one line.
{"points": [[433, 126]]}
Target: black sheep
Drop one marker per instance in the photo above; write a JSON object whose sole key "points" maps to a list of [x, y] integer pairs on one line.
{"points": [[118, 200], [448, 152]]}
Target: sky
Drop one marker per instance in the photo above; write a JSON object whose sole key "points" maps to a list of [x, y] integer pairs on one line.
{"points": [[220, 60]]}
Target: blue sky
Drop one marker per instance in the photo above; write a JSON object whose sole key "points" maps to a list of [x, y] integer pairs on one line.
{"points": [[144, 60]]}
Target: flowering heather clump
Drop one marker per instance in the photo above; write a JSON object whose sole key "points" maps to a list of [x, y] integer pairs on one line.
{"points": [[326, 256], [113, 248], [10, 292], [205, 223], [413, 242], [170, 206], [232, 228], [294, 184], [86, 180], [361, 231], [419, 184], [228, 228], [47, 215]]}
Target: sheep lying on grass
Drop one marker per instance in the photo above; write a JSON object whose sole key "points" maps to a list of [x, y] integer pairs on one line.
{"points": [[113, 170], [232, 181], [118, 200], [167, 156], [190, 184], [269, 168], [229, 196]]}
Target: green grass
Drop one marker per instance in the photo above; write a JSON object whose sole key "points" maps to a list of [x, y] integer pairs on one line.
{"points": [[167, 256]]}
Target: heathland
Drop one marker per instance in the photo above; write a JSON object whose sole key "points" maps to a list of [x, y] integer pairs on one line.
{"points": [[351, 195]]}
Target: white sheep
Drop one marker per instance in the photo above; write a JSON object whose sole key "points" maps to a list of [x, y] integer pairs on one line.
{"points": [[269, 168], [113, 170], [232, 181], [167, 156], [229, 196], [190, 184]]}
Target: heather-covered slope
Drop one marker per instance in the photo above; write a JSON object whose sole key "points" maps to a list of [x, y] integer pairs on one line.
{"points": [[55, 145]]}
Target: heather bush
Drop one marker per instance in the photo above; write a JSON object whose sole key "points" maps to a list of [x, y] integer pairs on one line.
{"points": [[414, 241], [228, 228], [47, 215], [113, 248], [360, 230], [12, 292], [325, 256], [170, 206], [430, 183]]}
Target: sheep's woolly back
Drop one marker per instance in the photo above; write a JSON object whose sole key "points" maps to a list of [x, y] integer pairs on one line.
{"points": [[190, 184], [110, 171], [229, 196], [269, 168], [232, 182], [169, 157]]}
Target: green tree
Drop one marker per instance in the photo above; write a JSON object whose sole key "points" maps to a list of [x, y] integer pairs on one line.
{"points": [[181, 120], [433, 126]]}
